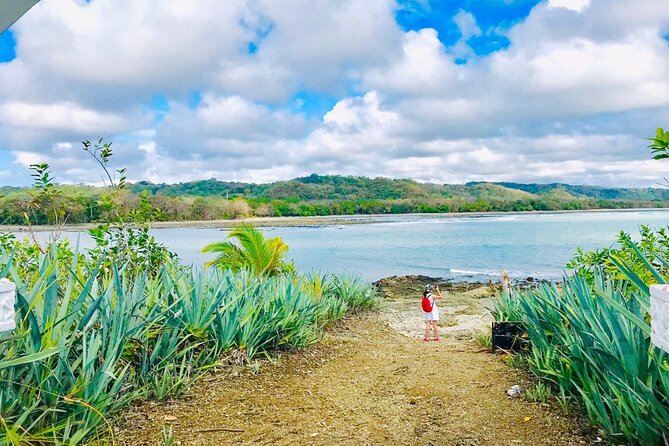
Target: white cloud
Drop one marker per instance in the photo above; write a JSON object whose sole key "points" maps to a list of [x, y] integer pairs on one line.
{"points": [[586, 76], [568, 100], [230, 126], [574, 5], [60, 116], [423, 68], [95, 51], [468, 28], [325, 43]]}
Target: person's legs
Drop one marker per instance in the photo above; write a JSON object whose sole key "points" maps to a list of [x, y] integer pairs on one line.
{"points": [[434, 329], [427, 330]]}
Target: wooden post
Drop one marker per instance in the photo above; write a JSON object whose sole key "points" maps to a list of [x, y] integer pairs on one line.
{"points": [[506, 282]]}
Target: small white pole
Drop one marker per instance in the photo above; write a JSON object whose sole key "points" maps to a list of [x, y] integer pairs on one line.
{"points": [[7, 302], [659, 314]]}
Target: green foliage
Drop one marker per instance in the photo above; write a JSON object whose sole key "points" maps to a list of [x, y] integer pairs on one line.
{"points": [[168, 435], [89, 342], [484, 340], [659, 145], [590, 337], [47, 201], [591, 341], [320, 188], [126, 320], [517, 361], [129, 245], [653, 244], [264, 257], [540, 392], [309, 196], [102, 153], [123, 239]]}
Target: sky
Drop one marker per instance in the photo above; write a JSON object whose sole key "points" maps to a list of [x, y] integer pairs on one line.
{"points": [[445, 91]]}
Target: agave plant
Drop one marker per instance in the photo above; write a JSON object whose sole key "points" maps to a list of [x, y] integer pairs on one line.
{"points": [[88, 342], [591, 340], [252, 251]]}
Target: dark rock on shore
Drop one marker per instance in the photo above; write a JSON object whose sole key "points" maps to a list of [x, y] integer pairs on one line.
{"points": [[413, 285]]}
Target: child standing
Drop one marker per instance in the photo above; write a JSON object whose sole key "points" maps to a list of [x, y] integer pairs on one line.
{"points": [[431, 317]]}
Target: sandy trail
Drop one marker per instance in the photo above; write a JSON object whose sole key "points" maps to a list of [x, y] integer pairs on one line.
{"points": [[367, 383]]}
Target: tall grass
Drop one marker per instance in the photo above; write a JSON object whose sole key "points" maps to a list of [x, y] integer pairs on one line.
{"points": [[88, 342], [592, 342]]}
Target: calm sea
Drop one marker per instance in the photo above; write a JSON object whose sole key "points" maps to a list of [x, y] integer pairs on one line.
{"points": [[536, 245]]}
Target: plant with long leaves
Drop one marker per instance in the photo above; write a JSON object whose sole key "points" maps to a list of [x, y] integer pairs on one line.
{"points": [[87, 343], [252, 251], [591, 341]]}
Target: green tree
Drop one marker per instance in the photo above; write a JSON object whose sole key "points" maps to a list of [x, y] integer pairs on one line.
{"points": [[124, 239], [660, 144], [264, 257]]}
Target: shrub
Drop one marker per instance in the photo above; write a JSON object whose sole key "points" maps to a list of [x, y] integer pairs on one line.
{"points": [[591, 340], [89, 342], [652, 244]]}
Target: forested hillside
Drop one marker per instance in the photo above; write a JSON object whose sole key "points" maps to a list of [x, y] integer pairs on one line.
{"points": [[336, 187], [325, 195]]}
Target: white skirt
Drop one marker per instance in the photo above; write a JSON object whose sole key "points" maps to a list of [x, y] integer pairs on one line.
{"points": [[432, 315]]}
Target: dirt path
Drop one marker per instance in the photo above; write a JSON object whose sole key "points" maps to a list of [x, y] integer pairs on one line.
{"points": [[365, 384]]}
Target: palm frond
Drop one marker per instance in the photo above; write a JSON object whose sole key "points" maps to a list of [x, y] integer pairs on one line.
{"points": [[250, 250], [229, 255]]}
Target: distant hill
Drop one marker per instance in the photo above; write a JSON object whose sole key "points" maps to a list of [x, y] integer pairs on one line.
{"points": [[559, 193], [337, 187], [597, 192], [320, 195]]}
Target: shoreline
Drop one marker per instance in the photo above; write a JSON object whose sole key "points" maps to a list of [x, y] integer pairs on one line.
{"points": [[312, 221]]}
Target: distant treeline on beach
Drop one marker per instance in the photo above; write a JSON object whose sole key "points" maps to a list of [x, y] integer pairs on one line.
{"points": [[319, 195]]}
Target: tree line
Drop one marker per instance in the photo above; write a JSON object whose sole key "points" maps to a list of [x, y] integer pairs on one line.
{"points": [[315, 195], [83, 204]]}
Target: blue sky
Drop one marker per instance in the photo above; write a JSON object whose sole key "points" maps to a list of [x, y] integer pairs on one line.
{"points": [[7, 47], [441, 91], [491, 16]]}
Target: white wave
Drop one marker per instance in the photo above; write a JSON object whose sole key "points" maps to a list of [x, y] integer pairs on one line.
{"points": [[505, 218], [472, 272], [485, 218], [512, 274]]}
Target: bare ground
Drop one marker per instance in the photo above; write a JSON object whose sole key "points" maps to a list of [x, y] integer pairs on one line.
{"points": [[371, 381]]}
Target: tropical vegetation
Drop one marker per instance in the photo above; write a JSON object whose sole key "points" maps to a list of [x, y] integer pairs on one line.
{"points": [[90, 341], [652, 243], [264, 257], [100, 328], [314, 195], [591, 341], [589, 336], [659, 145]]}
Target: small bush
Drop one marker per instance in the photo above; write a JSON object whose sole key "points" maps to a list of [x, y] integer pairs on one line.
{"points": [[484, 340], [538, 393], [590, 340], [89, 341]]}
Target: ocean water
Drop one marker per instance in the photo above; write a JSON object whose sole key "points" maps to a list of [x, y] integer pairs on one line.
{"points": [[466, 248]]}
